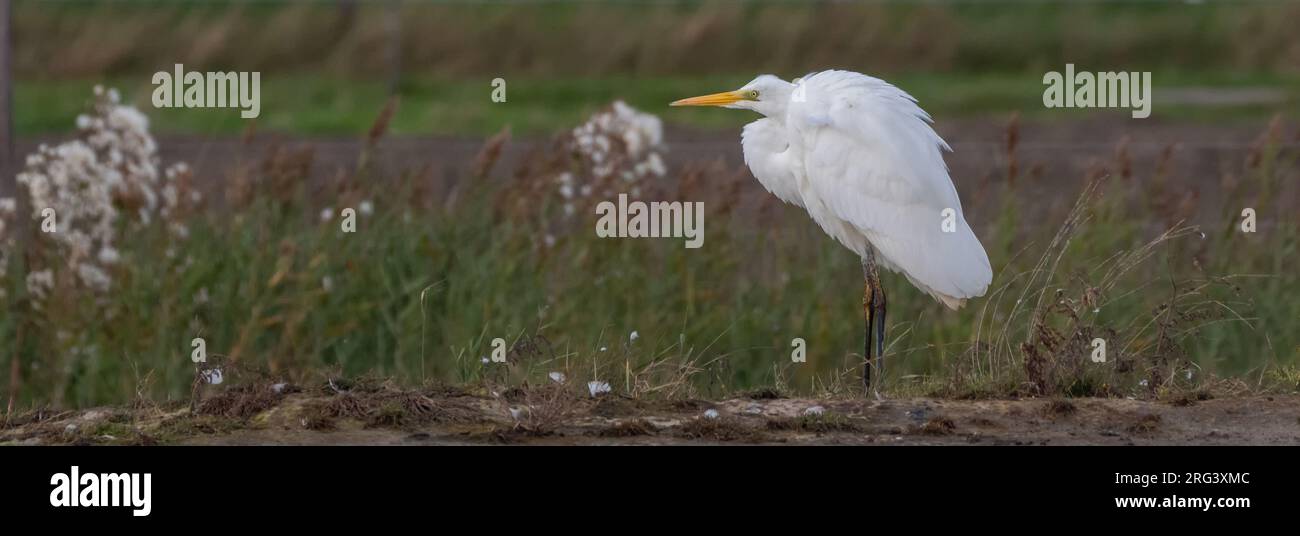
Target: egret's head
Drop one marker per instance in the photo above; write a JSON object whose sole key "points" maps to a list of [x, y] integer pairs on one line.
{"points": [[767, 95]]}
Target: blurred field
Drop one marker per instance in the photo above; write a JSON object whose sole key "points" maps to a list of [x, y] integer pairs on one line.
{"points": [[327, 66], [456, 253], [314, 105], [565, 39]]}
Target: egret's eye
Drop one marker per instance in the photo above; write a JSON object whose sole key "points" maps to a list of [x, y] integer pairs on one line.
{"points": [[753, 94]]}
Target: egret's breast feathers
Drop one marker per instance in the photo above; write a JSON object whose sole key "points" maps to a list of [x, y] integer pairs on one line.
{"points": [[766, 146]]}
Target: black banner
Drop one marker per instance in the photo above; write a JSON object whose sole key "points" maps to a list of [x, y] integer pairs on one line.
{"points": [[321, 485]]}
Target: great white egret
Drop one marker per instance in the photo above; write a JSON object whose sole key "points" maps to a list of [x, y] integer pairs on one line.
{"points": [[860, 156]]}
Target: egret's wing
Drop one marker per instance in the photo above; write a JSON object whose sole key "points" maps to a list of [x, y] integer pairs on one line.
{"points": [[872, 160]]}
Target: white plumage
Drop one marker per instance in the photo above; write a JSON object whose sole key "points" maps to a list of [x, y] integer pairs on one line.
{"points": [[861, 157]]}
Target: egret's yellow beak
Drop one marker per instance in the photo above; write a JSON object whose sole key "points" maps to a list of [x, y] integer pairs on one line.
{"points": [[716, 99]]}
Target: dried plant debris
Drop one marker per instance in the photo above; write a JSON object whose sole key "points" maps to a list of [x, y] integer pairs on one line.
{"points": [[936, 426], [823, 423], [1059, 408], [240, 402], [721, 428], [627, 428]]}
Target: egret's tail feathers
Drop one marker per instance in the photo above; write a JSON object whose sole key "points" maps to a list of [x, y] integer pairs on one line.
{"points": [[952, 303]]}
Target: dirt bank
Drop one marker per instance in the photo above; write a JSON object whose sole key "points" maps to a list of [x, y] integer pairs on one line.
{"points": [[392, 417]]}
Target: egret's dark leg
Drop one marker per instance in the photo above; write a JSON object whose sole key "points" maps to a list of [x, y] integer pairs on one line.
{"points": [[868, 312], [879, 317], [873, 305]]}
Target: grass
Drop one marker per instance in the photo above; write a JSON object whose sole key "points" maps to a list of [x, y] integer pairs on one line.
{"points": [[319, 105], [421, 289]]}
